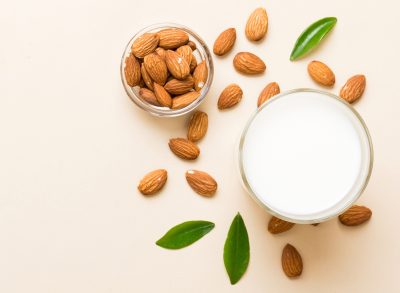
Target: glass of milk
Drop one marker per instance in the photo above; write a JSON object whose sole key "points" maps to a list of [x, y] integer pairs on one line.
{"points": [[305, 156]]}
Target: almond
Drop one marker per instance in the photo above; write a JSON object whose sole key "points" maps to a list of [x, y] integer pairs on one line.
{"points": [[162, 96], [198, 126], [193, 64], [353, 89], [177, 65], [186, 52], [153, 182], [148, 96], [321, 73], [200, 76], [192, 45], [172, 38], [225, 41], [184, 149], [184, 100], [355, 215], [201, 182], [269, 91], [257, 25], [145, 44], [179, 87], [276, 225], [161, 52], [248, 63], [230, 96], [132, 71], [156, 68], [146, 77], [292, 264]]}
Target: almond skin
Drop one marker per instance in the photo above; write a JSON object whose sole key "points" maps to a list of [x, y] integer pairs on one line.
{"points": [[292, 264], [162, 96], [200, 75], [192, 45], [321, 73], [269, 91], [184, 149], [353, 89], [186, 52], [248, 63], [156, 68], [201, 182], [161, 52], [276, 225], [172, 38], [355, 215], [225, 41], [179, 87], [153, 182], [132, 71], [257, 25], [182, 101], [146, 77], [177, 65], [145, 44], [198, 126], [230, 96], [193, 64], [148, 96]]}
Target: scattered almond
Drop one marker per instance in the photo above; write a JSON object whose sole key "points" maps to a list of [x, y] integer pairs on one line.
{"points": [[198, 126], [276, 225], [177, 65], [162, 96], [132, 71], [183, 148], [182, 101], [257, 25], [292, 264], [321, 73], [225, 41], [269, 91], [230, 96], [153, 182], [156, 68], [146, 77], [248, 63], [145, 44], [353, 89], [148, 96], [355, 215], [172, 38], [201, 182], [179, 87], [200, 75]]}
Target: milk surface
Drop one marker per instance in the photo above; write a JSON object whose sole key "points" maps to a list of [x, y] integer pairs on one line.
{"points": [[305, 154]]}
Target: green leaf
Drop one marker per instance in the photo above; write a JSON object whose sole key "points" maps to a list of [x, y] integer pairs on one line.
{"points": [[184, 234], [236, 250], [312, 36]]}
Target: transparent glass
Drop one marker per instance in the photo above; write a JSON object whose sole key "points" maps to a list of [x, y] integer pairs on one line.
{"points": [[347, 201], [202, 53]]}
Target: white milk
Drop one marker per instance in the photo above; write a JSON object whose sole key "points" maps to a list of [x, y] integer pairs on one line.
{"points": [[306, 156]]}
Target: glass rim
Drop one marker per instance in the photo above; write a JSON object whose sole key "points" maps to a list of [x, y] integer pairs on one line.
{"points": [[162, 111], [353, 198]]}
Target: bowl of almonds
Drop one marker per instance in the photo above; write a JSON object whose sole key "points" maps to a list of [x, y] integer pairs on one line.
{"points": [[167, 69]]}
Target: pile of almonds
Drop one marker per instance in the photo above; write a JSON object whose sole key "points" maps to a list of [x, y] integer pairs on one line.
{"points": [[158, 89], [165, 68]]}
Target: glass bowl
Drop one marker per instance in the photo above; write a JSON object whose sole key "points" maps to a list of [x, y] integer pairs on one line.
{"points": [[347, 200], [202, 53]]}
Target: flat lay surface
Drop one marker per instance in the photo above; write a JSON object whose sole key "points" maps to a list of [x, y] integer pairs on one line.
{"points": [[74, 148]]}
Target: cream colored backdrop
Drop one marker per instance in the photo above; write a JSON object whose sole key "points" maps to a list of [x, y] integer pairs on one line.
{"points": [[73, 148]]}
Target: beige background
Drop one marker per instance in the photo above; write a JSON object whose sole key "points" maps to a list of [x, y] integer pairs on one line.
{"points": [[73, 148]]}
